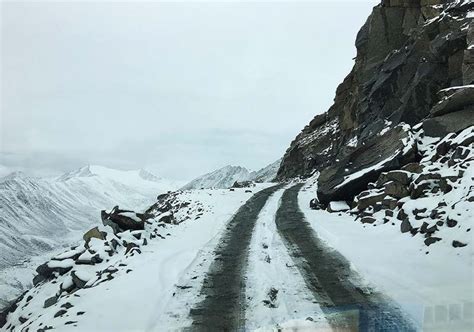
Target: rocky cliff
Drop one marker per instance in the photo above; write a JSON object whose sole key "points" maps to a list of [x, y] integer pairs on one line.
{"points": [[414, 65]]}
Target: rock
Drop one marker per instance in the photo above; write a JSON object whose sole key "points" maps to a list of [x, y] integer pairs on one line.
{"points": [[401, 177], [453, 99], [130, 246], [80, 283], [369, 199], [92, 233], [60, 313], [401, 64], [123, 219], [50, 301], [315, 205], [242, 184], [368, 220], [451, 222], [457, 244], [455, 122], [395, 189], [405, 226], [413, 168], [381, 153], [419, 190], [389, 202], [167, 218], [430, 240], [388, 213], [337, 207]]}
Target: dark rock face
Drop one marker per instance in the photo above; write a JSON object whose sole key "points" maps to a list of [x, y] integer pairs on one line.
{"points": [[406, 53]]}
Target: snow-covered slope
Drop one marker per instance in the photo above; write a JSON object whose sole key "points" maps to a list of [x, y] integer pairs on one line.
{"points": [[222, 178], [268, 173], [37, 215], [226, 176]]}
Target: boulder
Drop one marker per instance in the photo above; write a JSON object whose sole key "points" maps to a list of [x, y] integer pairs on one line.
{"points": [[458, 244], [413, 168], [93, 233], [367, 220], [454, 122], [405, 226], [315, 205], [398, 176], [122, 220], [343, 180], [370, 199], [396, 189], [430, 240], [453, 99]]}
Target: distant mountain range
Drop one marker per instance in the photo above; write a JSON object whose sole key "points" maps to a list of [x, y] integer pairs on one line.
{"points": [[38, 214], [226, 176]]}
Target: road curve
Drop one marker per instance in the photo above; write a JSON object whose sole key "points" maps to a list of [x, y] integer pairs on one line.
{"points": [[223, 307], [328, 275]]}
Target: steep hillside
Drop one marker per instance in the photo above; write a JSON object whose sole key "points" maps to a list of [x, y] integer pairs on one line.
{"points": [[414, 64], [37, 215]]}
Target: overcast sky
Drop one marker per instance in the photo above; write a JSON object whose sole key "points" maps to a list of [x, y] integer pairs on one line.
{"points": [[177, 88]]}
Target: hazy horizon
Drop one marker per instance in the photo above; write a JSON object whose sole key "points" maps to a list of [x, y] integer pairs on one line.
{"points": [[179, 89]]}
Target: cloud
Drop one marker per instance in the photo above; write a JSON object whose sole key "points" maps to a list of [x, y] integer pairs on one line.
{"points": [[182, 87]]}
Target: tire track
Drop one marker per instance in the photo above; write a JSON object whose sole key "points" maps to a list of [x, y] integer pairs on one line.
{"points": [[328, 275], [223, 307]]}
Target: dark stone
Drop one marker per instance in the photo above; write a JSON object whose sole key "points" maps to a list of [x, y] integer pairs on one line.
{"points": [[396, 189], [413, 168], [457, 244], [315, 205], [123, 222], [442, 125], [77, 281], [50, 301], [332, 182], [457, 100], [405, 226], [60, 313], [367, 220], [369, 200], [430, 240], [401, 177], [400, 66], [451, 222]]}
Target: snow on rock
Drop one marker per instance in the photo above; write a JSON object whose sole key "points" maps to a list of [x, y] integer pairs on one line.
{"points": [[338, 206], [142, 266]]}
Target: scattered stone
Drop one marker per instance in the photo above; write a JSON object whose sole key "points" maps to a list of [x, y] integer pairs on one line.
{"points": [[458, 244], [430, 240], [50, 301], [60, 313]]}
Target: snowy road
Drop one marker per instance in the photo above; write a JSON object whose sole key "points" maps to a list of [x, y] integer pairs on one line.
{"points": [[323, 279], [223, 306]]}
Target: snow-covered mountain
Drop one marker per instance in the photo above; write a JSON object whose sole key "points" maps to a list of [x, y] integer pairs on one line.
{"points": [[226, 176], [222, 178], [37, 215]]}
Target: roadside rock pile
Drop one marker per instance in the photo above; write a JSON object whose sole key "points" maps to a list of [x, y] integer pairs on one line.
{"points": [[99, 258], [432, 199]]}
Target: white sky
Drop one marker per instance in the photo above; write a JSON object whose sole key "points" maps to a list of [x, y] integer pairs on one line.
{"points": [[178, 88]]}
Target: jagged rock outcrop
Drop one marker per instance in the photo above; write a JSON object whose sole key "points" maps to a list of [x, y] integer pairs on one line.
{"points": [[409, 53]]}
